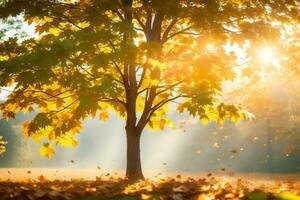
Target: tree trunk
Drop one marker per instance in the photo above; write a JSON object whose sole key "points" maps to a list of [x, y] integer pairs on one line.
{"points": [[133, 168]]}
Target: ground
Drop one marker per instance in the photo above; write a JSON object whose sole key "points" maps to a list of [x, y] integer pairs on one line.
{"points": [[99, 184]]}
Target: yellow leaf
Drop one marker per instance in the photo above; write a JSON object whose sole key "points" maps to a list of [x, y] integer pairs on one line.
{"points": [[199, 151], [172, 126], [26, 128], [216, 145], [162, 124], [104, 116], [180, 108], [47, 150], [74, 142], [204, 121]]}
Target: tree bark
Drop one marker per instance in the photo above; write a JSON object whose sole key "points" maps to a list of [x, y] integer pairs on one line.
{"points": [[133, 168]]}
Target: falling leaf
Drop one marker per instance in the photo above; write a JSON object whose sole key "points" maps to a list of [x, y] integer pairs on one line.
{"points": [[47, 150], [199, 151], [28, 172], [103, 116], [234, 151], [72, 161], [223, 169], [216, 145], [161, 124]]}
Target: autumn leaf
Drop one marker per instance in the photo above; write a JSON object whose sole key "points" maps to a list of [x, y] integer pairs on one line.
{"points": [[103, 116], [180, 108], [234, 151], [47, 150], [216, 145], [199, 151], [162, 123], [41, 178]]}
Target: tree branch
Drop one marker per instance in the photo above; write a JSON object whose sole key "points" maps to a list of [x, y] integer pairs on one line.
{"points": [[140, 21], [169, 87], [182, 31], [64, 108], [142, 77], [168, 29], [161, 104]]}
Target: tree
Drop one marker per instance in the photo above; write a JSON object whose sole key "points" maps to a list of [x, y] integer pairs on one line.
{"points": [[134, 57]]}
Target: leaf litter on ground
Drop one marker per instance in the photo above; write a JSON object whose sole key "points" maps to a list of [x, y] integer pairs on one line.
{"points": [[109, 187]]}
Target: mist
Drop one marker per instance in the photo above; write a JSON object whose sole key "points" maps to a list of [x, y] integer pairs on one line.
{"points": [[192, 147]]}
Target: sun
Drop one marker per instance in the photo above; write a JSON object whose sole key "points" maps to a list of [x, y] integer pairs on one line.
{"points": [[266, 54]]}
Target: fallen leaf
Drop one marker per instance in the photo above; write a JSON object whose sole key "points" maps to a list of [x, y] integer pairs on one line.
{"points": [[41, 178], [234, 151]]}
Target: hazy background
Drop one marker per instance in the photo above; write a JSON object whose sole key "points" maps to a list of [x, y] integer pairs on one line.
{"points": [[192, 147]]}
